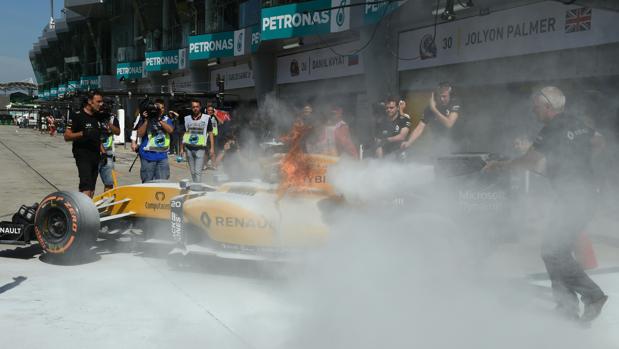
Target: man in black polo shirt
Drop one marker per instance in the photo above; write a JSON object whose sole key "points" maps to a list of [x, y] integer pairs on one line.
{"points": [[392, 130], [84, 131], [564, 147], [440, 115]]}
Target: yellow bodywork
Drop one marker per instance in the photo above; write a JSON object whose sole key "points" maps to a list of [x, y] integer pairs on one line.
{"points": [[240, 214], [150, 200], [249, 214]]}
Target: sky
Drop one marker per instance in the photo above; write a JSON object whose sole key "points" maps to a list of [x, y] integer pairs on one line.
{"points": [[21, 25]]}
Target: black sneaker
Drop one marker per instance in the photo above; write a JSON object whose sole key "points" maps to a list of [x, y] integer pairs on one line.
{"points": [[593, 310]]}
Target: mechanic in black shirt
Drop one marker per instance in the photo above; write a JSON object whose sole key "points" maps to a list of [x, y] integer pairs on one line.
{"points": [[85, 132], [440, 115], [564, 147], [392, 130]]}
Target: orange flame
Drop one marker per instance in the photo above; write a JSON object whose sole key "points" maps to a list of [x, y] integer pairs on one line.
{"points": [[296, 165]]}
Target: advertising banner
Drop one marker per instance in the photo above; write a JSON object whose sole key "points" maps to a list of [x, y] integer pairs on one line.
{"points": [[89, 82], [166, 60], [240, 76], [305, 18], [319, 64], [130, 70], [62, 90], [543, 27], [212, 46], [72, 86]]}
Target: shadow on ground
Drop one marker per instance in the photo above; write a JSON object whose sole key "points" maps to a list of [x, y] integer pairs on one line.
{"points": [[11, 285], [22, 252]]}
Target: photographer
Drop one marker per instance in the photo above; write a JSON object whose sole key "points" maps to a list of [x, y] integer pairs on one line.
{"points": [[108, 122], [154, 128], [199, 131], [84, 131]]}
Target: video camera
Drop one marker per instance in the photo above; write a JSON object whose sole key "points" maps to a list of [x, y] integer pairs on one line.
{"points": [[148, 106], [108, 106]]}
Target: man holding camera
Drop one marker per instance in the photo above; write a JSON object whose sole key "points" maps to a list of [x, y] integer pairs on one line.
{"points": [[198, 133], [155, 128], [391, 130], [85, 133], [108, 122]]}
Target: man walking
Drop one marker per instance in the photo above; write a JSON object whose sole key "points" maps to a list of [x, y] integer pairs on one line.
{"points": [[84, 131], [566, 145], [198, 133]]}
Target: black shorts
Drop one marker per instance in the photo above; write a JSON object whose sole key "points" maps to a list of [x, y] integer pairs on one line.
{"points": [[88, 169]]}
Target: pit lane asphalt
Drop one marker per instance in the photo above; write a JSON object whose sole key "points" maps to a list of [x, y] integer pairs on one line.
{"points": [[130, 298]]}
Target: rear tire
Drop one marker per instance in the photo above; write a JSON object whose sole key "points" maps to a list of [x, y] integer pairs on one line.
{"points": [[66, 226]]}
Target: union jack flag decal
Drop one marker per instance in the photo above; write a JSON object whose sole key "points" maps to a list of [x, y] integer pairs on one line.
{"points": [[577, 20]]}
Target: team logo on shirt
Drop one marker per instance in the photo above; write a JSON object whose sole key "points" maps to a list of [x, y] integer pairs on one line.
{"points": [[193, 139], [160, 140]]}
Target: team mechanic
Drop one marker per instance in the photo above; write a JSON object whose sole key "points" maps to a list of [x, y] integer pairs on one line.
{"points": [[84, 131], [108, 122], [442, 112], [566, 144], [154, 130], [392, 130], [198, 128]]}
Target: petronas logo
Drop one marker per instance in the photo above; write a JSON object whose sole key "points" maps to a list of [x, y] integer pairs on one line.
{"points": [[340, 16]]}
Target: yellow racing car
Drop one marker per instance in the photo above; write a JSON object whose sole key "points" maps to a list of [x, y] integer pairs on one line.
{"points": [[241, 220]]}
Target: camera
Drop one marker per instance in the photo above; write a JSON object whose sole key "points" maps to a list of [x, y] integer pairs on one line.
{"points": [[108, 106], [149, 107]]}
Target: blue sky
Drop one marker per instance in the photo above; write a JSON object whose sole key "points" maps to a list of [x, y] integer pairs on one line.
{"points": [[21, 25]]}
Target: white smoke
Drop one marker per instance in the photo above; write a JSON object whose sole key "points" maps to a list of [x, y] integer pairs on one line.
{"points": [[403, 277]]}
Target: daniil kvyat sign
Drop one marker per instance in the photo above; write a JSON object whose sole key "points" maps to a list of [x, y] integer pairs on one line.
{"points": [[306, 18], [166, 60]]}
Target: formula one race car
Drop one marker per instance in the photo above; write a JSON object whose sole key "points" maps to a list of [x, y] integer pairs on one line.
{"points": [[260, 220], [242, 220]]}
